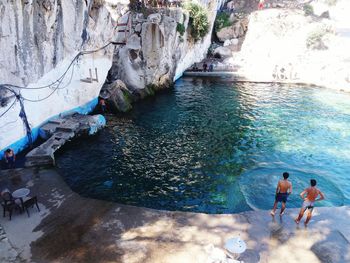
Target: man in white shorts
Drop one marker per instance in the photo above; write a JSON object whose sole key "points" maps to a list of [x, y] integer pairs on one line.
{"points": [[311, 194]]}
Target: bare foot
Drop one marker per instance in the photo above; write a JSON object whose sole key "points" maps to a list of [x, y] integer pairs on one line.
{"points": [[272, 213], [281, 214], [296, 221]]}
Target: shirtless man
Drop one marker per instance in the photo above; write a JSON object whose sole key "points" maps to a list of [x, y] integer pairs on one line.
{"points": [[311, 194], [283, 190]]}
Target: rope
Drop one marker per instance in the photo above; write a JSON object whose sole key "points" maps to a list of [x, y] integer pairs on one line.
{"points": [[8, 108]]}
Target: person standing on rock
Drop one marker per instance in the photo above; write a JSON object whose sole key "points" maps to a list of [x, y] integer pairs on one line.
{"points": [[205, 67], [10, 158], [261, 4], [283, 190], [311, 194], [103, 105]]}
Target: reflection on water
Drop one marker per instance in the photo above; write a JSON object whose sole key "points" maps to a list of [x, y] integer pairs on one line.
{"points": [[217, 147]]}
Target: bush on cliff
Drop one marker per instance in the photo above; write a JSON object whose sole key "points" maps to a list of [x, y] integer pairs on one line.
{"points": [[308, 9], [180, 28], [222, 20], [315, 39], [199, 22]]}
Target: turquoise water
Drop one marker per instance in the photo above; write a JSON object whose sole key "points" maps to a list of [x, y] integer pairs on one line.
{"points": [[216, 146]]}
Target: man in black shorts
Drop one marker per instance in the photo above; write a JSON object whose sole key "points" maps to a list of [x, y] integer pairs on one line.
{"points": [[283, 190]]}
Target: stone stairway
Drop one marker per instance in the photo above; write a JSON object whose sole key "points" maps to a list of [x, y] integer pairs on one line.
{"points": [[59, 131]]}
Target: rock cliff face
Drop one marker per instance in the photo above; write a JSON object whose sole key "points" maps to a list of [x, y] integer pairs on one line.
{"points": [[35, 35], [39, 39], [155, 53], [290, 45]]}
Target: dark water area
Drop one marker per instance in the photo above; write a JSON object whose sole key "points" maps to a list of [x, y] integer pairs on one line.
{"points": [[216, 146]]}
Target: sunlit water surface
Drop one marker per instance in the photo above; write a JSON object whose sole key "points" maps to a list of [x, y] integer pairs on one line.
{"points": [[216, 146]]}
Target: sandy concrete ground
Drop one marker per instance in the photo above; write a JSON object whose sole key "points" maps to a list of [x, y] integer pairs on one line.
{"points": [[70, 228]]}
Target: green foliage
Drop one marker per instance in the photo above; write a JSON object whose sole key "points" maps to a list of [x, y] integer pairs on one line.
{"points": [[222, 20], [198, 21], [180, 28], [315, 39], [308, 9]]}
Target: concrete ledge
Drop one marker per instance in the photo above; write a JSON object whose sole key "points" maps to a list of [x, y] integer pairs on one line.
{"points": [[59, 131]]}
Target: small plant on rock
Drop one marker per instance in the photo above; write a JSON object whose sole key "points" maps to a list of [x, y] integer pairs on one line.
{"points": [[315, 40], [308, 10], [180, 28], [198, 21], [222, 20]]}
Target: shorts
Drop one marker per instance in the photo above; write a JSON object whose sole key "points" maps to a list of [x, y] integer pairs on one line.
{"points": [[281, 197], [308, 205]]}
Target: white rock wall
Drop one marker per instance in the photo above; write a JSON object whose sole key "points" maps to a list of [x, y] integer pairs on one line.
{"points": [[277, 39], [38, 40], [156, 54], [193, 53]]}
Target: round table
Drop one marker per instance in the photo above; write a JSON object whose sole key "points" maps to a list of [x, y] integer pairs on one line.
{"points": [[235, 246], [20, 194]]}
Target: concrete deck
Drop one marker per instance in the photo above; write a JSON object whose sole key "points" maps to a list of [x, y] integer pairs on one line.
{"points": [[71, 228]]}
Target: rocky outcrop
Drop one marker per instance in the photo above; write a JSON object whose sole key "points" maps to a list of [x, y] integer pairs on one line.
{"points": [[155, 53], [235, 31], [118, 96]]}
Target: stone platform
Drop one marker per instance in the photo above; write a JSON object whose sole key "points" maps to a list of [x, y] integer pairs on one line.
{"points": [[71, 228], [59, 131]]}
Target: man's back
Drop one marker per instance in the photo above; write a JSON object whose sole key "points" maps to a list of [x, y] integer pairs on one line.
{"points": [[284, 185], [312, 193]]}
